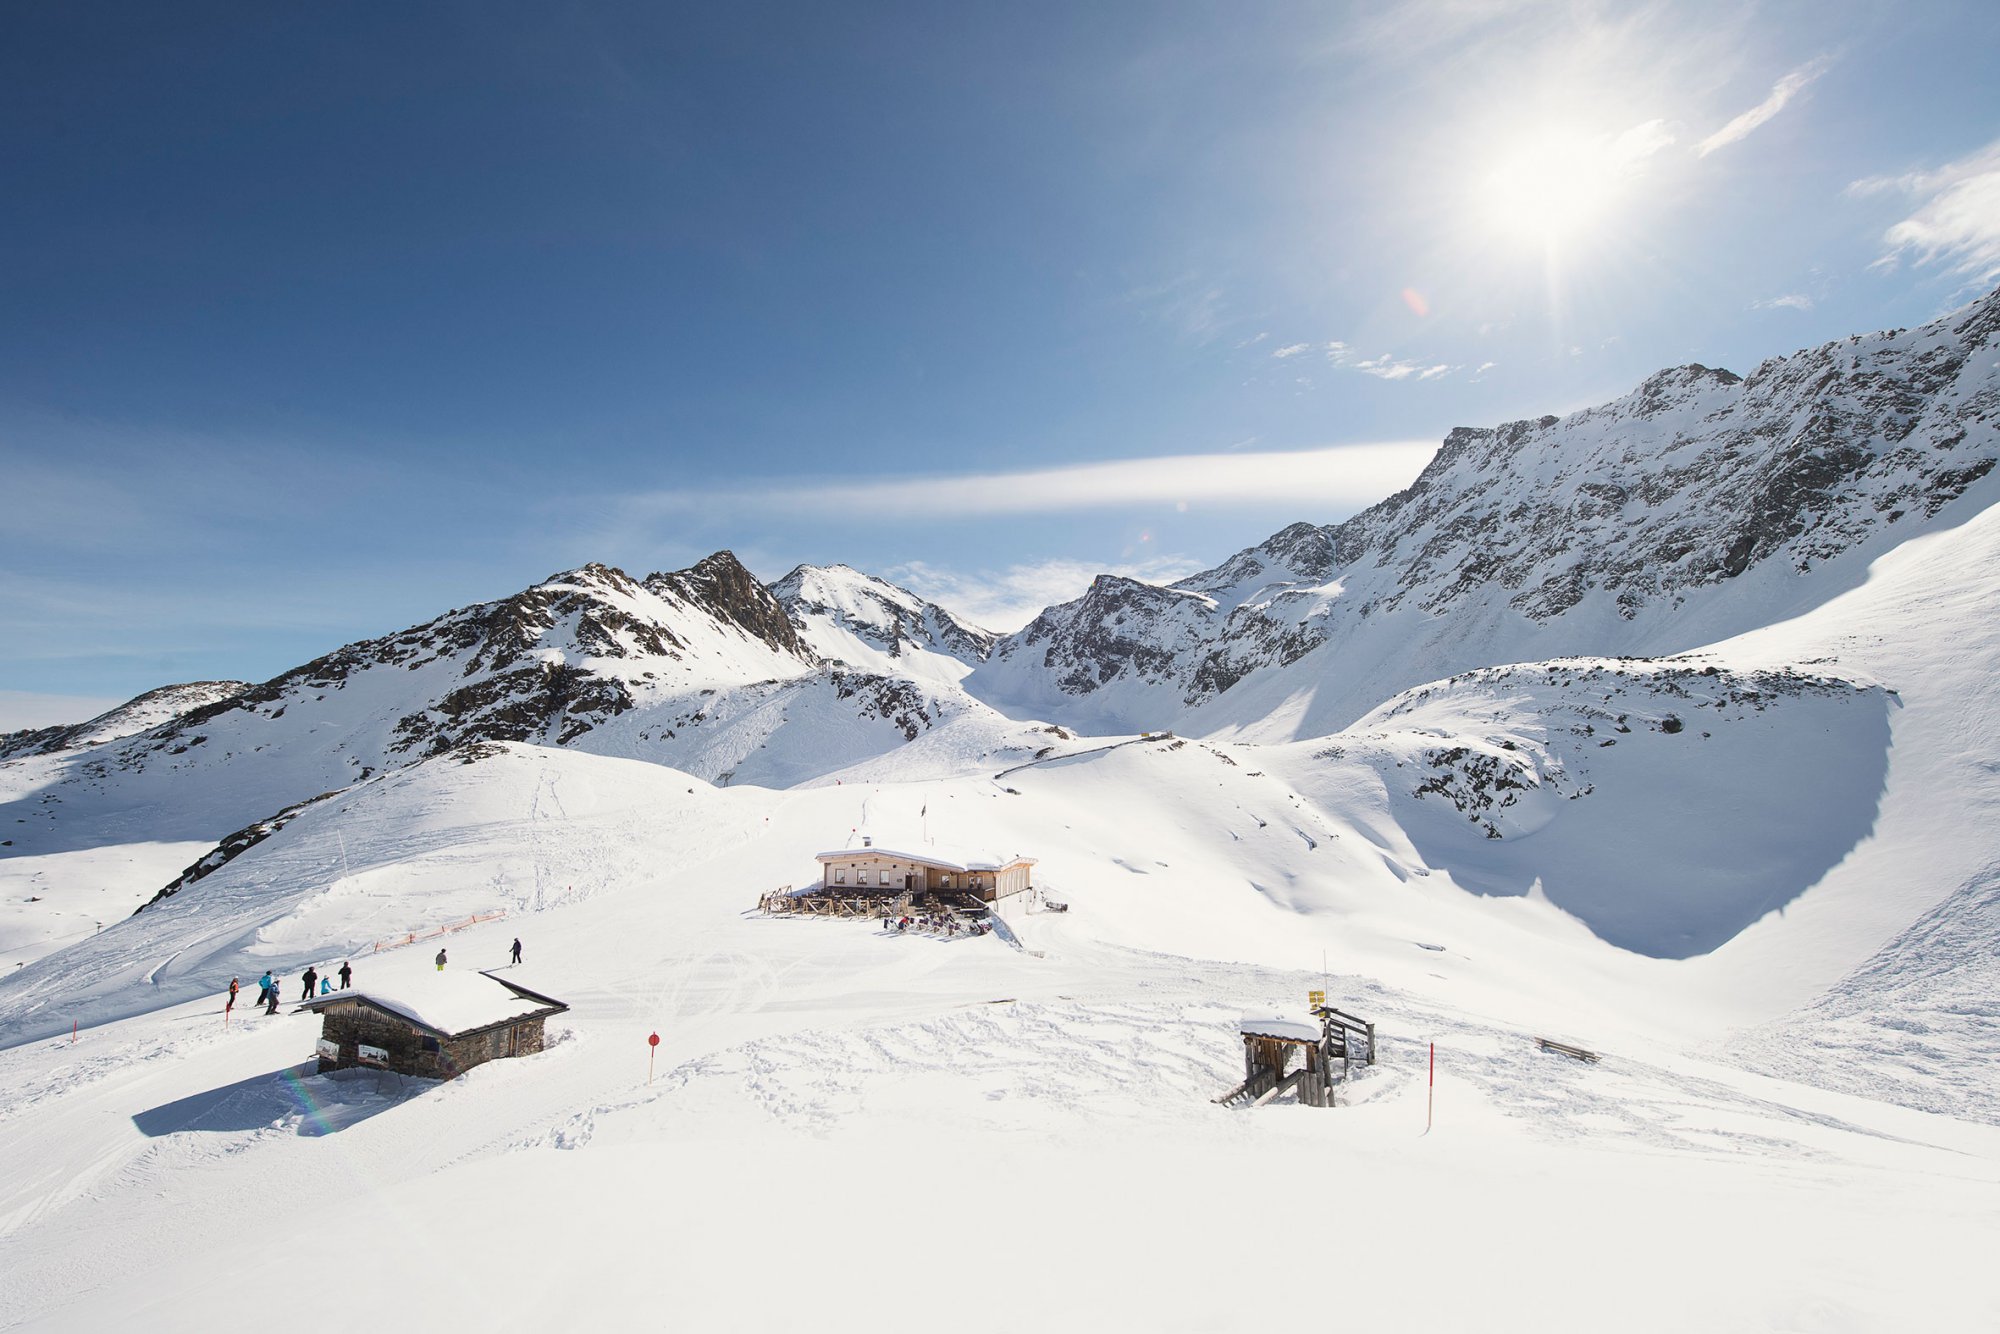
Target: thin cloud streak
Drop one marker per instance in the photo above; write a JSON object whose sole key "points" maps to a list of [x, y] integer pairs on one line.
{"points": [[1781, 93], [1342, 475], [1008, 598], [1957, 220]]}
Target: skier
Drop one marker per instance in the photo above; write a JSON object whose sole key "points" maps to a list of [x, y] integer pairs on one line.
{"points": [[311, 976], [272, 1006], [346, 975], [264, 985], [440, 961], [326, 986], [517, 949], [234, 987]]}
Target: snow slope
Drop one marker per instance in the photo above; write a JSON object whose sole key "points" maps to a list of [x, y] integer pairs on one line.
{"points": [[1042, 1111], [699, 670]]}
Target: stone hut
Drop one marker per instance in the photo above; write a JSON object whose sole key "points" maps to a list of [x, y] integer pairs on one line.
{"points": [[434, 1027]]}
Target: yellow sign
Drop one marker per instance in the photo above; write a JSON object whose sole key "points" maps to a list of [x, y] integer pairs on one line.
{"points": [[1315, 998]]}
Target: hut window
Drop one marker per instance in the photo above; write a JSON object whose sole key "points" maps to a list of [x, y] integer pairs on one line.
{"points": [[947, 879], [840, 875], [885, 875]]}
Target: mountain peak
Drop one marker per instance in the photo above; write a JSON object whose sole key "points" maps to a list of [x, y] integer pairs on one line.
{"points": [[854, 617], [721, 585]]}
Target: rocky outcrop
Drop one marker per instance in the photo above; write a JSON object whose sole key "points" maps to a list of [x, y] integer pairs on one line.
{"points": [[722, 587]]}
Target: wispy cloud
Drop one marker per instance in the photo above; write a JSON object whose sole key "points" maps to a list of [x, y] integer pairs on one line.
{"points": [[1957, 217], [1190, 305], [1789, 301], [1009, 597], [1341, 476], [1384, 367], [1782, 93]]}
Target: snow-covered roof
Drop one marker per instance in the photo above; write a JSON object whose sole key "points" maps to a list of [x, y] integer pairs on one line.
{"points": [[448, 1003], [958, 863], [1298, 1030]]}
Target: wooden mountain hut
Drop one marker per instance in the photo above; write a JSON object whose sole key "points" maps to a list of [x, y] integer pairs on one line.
{"points": [[1271, 1044], [434, 1027], [888, 873]]}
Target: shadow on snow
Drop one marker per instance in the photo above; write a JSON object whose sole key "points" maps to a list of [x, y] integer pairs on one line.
{"points": [[293, 1098]]}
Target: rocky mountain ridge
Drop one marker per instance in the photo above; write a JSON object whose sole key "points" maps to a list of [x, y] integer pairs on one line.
{"points": [[1700, 505], [856, 618], [138, 714], [702, 669]]}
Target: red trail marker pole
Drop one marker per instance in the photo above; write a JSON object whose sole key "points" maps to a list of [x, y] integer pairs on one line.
{"points": [[652, 1050], [1430, 1099], [72, 1032]]}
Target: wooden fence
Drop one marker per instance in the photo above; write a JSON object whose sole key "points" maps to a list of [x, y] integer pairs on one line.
{"points": [[411, 938]]}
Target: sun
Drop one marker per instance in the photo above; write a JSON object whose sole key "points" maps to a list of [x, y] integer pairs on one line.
{"points": [[1553, 187]]}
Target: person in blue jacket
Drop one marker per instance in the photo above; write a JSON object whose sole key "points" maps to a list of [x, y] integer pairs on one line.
{"points": [[264, 985]]}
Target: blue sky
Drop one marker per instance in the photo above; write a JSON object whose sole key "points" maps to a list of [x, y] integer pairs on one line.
{"points": [[318, 320]]}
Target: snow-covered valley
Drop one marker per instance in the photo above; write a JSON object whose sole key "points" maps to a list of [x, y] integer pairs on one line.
{"points": [[1753, 870]]}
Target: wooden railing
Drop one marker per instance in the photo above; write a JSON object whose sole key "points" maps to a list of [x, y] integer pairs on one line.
{"points": [[412, 937]]}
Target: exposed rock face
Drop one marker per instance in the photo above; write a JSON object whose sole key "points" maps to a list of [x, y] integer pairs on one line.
{"points": [[721, 586], [1700, 505], [1118, 626]]}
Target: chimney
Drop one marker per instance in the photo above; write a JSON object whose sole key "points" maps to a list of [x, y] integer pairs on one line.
{"points": [[867, 842]]}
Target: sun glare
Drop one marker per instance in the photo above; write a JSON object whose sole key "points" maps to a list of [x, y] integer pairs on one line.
{"points": [[1553, 187]]}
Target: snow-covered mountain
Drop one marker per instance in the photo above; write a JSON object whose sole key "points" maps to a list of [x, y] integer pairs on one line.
{"points": [[700, 669], [854, 618], [139, 714], [1701, 505]]}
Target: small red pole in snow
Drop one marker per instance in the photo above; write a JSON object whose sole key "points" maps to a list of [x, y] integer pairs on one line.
{"points": [[1430, 1101], [72, 1032], [652, 1050]]}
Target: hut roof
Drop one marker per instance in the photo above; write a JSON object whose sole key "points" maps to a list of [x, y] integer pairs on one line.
{"points": [[956, 862], [1291, 1030], [449, 1004]]}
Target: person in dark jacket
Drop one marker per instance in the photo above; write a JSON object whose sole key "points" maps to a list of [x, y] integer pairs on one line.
{"points": [[440, 961], [517, 949], [272, 1007], [346, 974], [311, 979]]}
